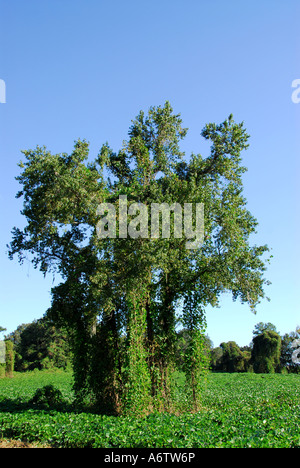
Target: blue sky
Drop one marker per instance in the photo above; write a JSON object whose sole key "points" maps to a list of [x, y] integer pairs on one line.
{"points": [[83, 69]]}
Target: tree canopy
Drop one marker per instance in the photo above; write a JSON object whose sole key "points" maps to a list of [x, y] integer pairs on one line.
{"points": [[266, 352], [260, 327]]}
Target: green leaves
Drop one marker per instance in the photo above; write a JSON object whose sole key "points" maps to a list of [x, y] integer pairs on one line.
{"points": [[239, 410], [47, 396]]}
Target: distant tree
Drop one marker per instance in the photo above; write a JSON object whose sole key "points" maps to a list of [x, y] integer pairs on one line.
{"points": [[247, 364], [232, 357], [15, 336], [9, 358], [229, 357], [261, 327], [2, 329], [39, 345], [216, 356], [266, 352]]}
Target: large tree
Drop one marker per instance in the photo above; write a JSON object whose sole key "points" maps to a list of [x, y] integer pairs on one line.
{"points": [[122, 297], [266, 352]]}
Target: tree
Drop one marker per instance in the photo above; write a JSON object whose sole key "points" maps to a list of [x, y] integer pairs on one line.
{"points": [[9, 358], [229, 357], [261, 327], [266, 352], [232, 356], [121, 297], [39, 345], [233, 359], [216, 359]]}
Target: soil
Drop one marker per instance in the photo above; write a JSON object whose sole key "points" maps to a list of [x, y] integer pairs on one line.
{"points": [[7, 443]]}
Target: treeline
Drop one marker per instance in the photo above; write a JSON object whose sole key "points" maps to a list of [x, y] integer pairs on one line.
{"points": [[40, 345], [267, 353]]}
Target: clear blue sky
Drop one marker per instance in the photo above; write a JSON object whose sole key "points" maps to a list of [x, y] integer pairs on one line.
{"points": [[84, 68]]}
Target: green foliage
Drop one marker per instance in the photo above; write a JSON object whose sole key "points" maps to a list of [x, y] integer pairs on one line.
{"points": [[137, 373], [261, 327], [106, 368], [266, 352], [9, 358], [239, 411], [40, 345], [229, 357], [47, 396], [232, 357], [121, 298]]}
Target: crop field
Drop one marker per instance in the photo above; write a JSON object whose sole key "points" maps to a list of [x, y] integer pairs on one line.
{"points": [[238, 410]]}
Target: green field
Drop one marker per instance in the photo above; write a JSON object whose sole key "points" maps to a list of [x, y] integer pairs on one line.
{"points": [[239, 410]]}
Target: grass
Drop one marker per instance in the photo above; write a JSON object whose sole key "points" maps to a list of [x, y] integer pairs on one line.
{"points": [[239, 410]]}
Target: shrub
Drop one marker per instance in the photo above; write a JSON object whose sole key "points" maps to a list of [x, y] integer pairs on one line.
{"points": [[47, 396]]}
